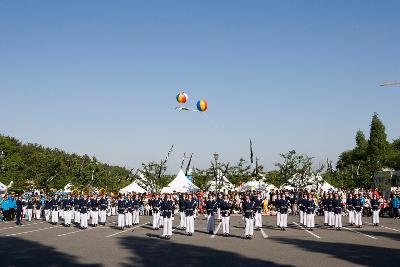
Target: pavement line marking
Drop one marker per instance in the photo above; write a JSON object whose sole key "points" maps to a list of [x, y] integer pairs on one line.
{"points": [[390, 228], [78, 231], [352, 230], [216, 231], [311, 233], [24, 225], [37, 230], [264, 234], [128, 230]]}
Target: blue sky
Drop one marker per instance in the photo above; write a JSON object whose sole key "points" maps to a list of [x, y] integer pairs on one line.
{"points": [[100, 77]]}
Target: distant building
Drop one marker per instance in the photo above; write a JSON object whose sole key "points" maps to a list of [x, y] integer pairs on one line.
{"points": [[387, 179]]}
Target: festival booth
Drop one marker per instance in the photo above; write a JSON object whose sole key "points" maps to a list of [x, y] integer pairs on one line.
{"points": [[181, 184], [256, 186], [225, 185], [132, 188]]}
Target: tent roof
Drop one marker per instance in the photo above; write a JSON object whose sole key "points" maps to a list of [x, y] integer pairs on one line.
{"points": [[3, 187], [180, 184], [256, 185], [133, 187]]}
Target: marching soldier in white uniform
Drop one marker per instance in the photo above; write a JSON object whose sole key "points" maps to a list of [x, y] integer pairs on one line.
{"points": [[225, 207], [168, 207], [283, 205], [375, 210], [190, 206], [211, 206], [258, 206], [350, 209], [248, 214], [121, 213], [358, 209], [84, 209]]}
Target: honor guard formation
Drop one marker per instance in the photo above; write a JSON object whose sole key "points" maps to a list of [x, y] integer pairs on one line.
{"points": [[84, 209]]}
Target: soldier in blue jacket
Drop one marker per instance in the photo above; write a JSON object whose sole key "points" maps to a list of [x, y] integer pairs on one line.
{"points": [[358, 206], [225, 206], [337, 207], [182, 199], [121, 212], [19, 204], [211, 207], [310, 212], [54, 206], [67, 211], [156, 208], [129, 212], [136, 211], [258, 206], [103, 203], [168, 207], [375, 210], [190, 207], [350, 209], [248, 214], [84, 209], [283, 206], [94, 210]]}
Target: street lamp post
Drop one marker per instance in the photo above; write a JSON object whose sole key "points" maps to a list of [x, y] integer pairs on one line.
{"points": [[216, 157]]}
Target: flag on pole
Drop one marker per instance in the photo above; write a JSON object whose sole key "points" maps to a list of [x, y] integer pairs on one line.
{"points": [[251, 152], [183, 160], [188, 166]]}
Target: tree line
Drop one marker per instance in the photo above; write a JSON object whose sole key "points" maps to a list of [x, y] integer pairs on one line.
{"points": [[34, 166]]}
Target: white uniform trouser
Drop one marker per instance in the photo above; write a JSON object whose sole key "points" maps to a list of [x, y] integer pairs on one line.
{"points": [[135, 218], [278, 219], [359, 218], [331, 218], [95, 217], [304, 218], [128, 219], [338, 220], [77, 217], [167, 231], [190, 224], [161, 221], [67, 217], [225, 225], [219, 217], [352, 217], [29, 213], [301, 216], [37, 214], [113, 211], [326, 217], [310, 220], [121, 220], [84, 220], [156, 220], [258, 220], [375, 216], [47, 215], [103, 216], [54, 216], [211, 223], [249, 227], [283, 220], [183, 220], [61, 214]]}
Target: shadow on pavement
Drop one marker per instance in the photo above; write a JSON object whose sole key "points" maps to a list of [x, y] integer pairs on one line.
{"points": [[167, 253], [19, 252], [354, 253]]}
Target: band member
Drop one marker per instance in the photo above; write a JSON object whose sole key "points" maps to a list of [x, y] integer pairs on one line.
{"points": [[331, 212], [358, 210], [103, 202], [129, 212], [325, 204], [167, 207], [136, 212], [182, 199], [121, 212], [84, 209], [350, 209], [248, 212], [337, 207], [67, 211], [29, 209], [77, 213], [94, 206], [211, 209], [19, 210], [47, 209], [156, 207], [278, 214], [302, 209], [114, 204], [38, 208], [310, 210], [190, 206], [54, 205], [258, 206], [375, 210], [225, 207], [283, 205]]}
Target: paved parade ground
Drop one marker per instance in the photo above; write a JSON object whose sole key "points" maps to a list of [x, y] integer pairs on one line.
{"points": [[41, 244]]}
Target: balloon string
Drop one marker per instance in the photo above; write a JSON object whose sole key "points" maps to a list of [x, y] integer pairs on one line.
{"points": [[219, 129]]}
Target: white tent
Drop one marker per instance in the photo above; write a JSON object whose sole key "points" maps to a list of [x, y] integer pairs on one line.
{"points": [[255, 185], [180, 184], [3, 187], [224, 185], [132, 188]]}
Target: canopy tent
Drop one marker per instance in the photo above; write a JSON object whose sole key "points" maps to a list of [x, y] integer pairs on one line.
{"points": [[3, 187], [132, 188], [224, 185], [181, 184], [312, 185], [256, 185]]}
